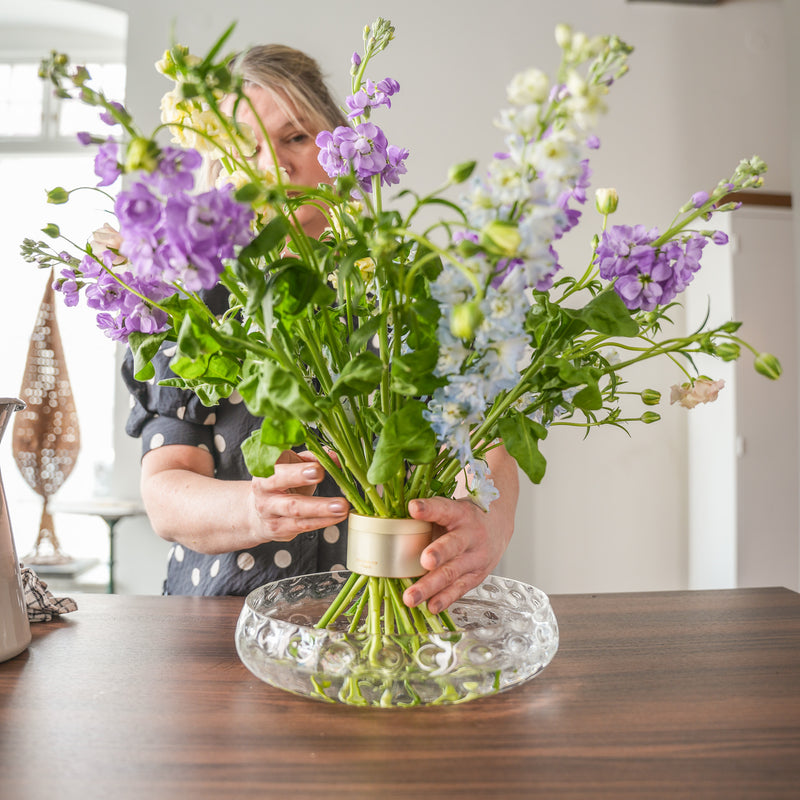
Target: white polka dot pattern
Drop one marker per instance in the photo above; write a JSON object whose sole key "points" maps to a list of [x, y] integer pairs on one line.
{"points": [[245, 561], [331, 534], [156, 440], [219, 443], [283, 558]]}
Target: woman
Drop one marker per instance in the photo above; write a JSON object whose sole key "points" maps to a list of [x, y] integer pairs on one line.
{"points": [[233, 532]]}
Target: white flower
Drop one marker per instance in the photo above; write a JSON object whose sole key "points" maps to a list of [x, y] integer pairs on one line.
{"points": [[528, 88]]}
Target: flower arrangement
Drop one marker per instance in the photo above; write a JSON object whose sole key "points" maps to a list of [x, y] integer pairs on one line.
{"points": [[400, 358]]}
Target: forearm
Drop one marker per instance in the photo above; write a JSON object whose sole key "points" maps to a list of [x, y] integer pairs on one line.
{"points": [[198, 511], [502, 511]]}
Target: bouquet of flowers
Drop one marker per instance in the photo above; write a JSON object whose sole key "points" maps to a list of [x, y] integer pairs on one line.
{"points": [[399, 357]]}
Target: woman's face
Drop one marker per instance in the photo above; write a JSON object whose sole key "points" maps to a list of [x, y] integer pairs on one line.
{"points": [[295, 149]]}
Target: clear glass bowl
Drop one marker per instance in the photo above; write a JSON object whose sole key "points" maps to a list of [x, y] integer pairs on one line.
{"points": [[507, 633]]}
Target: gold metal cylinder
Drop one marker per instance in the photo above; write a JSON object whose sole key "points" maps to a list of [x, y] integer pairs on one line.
{"points": [[387, 548]]}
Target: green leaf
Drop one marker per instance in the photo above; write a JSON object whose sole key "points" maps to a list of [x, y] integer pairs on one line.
{"points": [[359, 376], [260, 458], [606, 314], [273, 235], [412, 373], [588, 398], [521, 437], [144, 346], [282, 431], [406, 436], [269, 385]]}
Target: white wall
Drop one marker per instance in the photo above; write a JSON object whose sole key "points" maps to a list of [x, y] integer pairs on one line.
{"points": [[708, 86]]}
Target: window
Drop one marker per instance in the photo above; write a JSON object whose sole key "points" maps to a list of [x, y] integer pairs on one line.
{"points": [[38, 151]]}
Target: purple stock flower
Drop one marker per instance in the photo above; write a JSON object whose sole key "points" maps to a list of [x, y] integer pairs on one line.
{"points": [[67, 284], [108, 118], [84, 137], [106, 166], [372, 96], [174, 172], [138, 208], [699, 199], [362, 150], [647, 276]]}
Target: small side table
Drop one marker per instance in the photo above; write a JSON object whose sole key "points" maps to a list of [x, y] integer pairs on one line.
{"points": [[112, 512]]}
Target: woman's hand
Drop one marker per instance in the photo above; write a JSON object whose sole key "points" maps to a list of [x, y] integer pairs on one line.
{"points": [[471, 541], [283, 505]]}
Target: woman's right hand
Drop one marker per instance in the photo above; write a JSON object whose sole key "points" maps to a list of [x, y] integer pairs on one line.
{"points": [[188, 505], [284, 505]]}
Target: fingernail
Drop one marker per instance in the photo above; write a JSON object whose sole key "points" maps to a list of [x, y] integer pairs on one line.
{"points": [[433, 607], [337, 507], [419, 506], [412, 599], [311, 472]]}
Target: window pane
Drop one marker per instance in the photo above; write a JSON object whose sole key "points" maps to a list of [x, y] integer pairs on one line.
{"points": [[89, 355], [20, 100], [75, 116]]}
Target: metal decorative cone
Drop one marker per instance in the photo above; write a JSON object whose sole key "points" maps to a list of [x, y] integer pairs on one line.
{"points": [[46, 435]]}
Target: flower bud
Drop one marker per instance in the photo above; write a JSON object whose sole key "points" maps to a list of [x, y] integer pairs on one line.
{"points": [[649, 417], [563, 35], [728, 351], [501, 237], [57, 196], [142, 154], [52, 230], [767, 365], [606, 200], [465, 318], [650, 397], [460, 172]]}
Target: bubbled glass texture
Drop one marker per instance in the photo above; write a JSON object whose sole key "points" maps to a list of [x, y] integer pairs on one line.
{"points": [[507, 633]]}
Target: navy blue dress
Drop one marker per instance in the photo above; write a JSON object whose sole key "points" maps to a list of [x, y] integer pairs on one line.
{"points": [[163, 415]]}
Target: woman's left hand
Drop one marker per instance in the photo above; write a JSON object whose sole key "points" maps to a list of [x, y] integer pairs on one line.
{"points": [[463, 554]]}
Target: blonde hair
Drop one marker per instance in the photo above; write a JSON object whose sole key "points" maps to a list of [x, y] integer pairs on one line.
{"points": [[296, 81]]}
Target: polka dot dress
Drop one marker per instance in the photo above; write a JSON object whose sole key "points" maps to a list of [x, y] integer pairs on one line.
{"points": [[163, 415]]}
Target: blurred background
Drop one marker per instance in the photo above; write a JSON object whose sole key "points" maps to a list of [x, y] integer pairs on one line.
{"points": [[702, 499]]}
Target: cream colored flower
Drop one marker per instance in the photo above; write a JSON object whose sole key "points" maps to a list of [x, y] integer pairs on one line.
{"points": [[529, 87], [702, 390], [107, 238]]}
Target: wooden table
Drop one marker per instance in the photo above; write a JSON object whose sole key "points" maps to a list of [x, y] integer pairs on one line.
{"points": [[677, 694]]}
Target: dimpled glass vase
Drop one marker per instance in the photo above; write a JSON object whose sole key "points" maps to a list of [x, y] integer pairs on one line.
{"points": [[506, 634]]}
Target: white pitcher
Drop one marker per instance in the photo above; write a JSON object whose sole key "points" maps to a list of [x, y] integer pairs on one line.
{"points": [[15, 631]]}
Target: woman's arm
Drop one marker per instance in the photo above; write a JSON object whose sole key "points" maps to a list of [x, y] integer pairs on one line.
{"points": [[473, 540], [188, 505]]}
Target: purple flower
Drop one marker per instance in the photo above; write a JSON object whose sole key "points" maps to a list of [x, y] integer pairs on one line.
{"points": [[647, 276], [108, 118], [137, 208], [84, 137], [372, 96], [362, 151], [68, 285], [174, 172], [699, 199], [106, 166], [395, 166], [719, 237]]}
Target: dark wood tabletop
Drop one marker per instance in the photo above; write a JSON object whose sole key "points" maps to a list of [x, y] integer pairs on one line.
{"points": [[672, 694]]}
